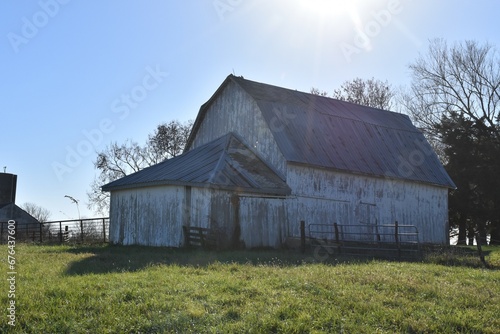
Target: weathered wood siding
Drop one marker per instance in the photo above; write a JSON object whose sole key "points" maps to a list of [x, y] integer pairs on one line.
{"points": [[263, 221], [324, 196], [235, 111], [149, 216], [154, 216], [224, 218], [247, 220], [199, 209]]}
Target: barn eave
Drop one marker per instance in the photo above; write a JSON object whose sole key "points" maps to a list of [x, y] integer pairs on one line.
{"points": [[386, 176], [280, 192]]}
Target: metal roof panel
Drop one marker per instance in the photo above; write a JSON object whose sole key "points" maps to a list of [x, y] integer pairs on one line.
{"points": [[329, 133], [224, 163]]}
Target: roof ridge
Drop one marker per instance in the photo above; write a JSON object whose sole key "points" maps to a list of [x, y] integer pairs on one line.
{"points": [[259, 156], [355, 117], [222, 158], [371, 123], [235, 165]]}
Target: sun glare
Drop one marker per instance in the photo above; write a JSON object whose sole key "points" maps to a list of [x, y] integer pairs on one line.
{"points": [[330, 8]]}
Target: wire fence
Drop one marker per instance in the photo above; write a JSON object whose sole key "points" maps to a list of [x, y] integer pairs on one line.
{"points": [[88, 230]]}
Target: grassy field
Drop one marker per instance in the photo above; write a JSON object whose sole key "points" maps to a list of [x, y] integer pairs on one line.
{"points": [[113, 289]]}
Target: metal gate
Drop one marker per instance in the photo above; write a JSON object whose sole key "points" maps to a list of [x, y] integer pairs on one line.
{"points": [[392, 240]]}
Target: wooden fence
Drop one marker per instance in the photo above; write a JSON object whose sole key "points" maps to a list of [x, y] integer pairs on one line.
{"points": [[199, 236]]}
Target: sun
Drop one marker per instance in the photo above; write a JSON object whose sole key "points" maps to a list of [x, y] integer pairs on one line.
{"points": [[328, 8]]}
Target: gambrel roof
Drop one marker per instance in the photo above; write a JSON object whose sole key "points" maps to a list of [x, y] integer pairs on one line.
{"points": [[333, 134], [225, 163]]}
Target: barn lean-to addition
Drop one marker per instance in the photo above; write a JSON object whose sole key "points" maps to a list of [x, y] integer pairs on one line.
{"points": [[261, 158]]}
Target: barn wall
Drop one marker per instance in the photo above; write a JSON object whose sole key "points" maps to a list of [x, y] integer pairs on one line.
{"points": [[154, 216], [324, 196], [147, 216], [235, 111]]}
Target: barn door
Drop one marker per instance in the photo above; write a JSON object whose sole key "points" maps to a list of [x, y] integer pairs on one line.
{"points": [[224, 219], [367, 216], [263, 221]]}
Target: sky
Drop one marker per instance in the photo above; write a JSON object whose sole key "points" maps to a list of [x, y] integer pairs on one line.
{"points": [[78, 75]]}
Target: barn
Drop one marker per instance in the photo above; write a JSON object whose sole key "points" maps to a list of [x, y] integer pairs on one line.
{"points": [[262, 158]]}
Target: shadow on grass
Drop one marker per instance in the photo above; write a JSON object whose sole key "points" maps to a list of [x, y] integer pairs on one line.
{"points": [[112, 258], [461, 256], [103, 259]]}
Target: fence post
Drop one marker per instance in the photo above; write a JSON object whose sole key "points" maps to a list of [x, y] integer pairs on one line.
{"points": [[186, 235], [302, 236], [378, 232], [104, 228], [480, 250], [202, 237], [337, 237], [396, 237], [60, 233], [66, 232], [41, 233], [81, 229]]}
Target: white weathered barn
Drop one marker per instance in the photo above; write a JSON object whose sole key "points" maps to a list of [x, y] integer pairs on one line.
{"points": [[262, 158]]}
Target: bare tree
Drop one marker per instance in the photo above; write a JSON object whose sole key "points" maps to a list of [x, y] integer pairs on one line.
{"points": [[372, 93], [455, 93], [41, 214], [114, 162], [317, 91], [463, 79], [168, 140], [119, 160]]}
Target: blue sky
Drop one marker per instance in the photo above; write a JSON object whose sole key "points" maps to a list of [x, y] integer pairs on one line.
{"points": [[77, 75]]}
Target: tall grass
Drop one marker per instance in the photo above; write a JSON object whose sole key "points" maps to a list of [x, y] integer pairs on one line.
{"points": [[112, 289]]}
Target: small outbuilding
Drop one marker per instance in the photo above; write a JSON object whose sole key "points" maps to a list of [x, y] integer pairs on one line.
{"points": [[262, 158], [25, 223]]}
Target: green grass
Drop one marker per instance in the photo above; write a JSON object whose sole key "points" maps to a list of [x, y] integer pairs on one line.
{"points": [[112, 289]]}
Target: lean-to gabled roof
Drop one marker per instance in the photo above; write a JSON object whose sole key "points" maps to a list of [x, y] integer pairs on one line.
{"points": [[225, 163]]}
